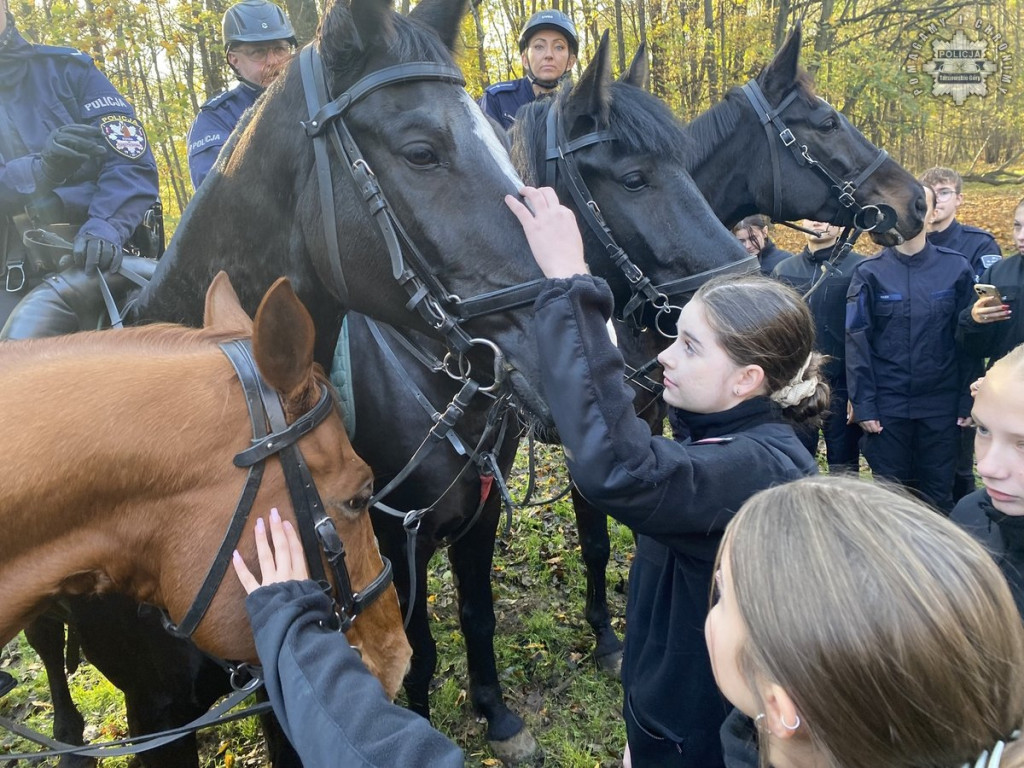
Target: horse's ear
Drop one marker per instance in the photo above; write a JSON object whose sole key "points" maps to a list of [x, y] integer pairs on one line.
{"points": [[780, 75], [282, 340], [442, 16], [639, 72], [348, 29], [588, 105], [223, 311]]}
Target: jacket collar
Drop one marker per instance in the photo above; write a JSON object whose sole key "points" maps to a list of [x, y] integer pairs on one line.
{"points": [[749, 413]]}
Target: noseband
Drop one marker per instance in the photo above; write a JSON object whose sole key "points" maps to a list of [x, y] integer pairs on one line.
{"points": [[272, 435], [442, 310], [559, 157], [866, 218]]}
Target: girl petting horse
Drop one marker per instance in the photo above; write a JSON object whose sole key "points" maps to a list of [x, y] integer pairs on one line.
{"points": [[924, 668], [126, 482]]}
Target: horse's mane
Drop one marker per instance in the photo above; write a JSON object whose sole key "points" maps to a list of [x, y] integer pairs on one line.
{"points": [[641, 124], [161, 338], [710, 128], [405, 39]]}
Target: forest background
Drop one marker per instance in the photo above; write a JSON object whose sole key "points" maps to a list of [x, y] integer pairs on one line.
{"points": [[866, 56]]}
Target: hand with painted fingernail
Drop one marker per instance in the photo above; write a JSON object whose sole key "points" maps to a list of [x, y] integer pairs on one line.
{"points": [[281, 557]]}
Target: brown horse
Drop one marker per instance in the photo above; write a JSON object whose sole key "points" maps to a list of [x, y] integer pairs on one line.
{"points": [[119, 474]]}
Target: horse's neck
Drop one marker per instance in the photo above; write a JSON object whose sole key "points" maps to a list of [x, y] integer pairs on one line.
{"points": [[721, 163], [83, 475]]}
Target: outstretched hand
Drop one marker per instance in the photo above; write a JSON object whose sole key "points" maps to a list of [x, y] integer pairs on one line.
{"points": [[285, 561], [551, 230]]}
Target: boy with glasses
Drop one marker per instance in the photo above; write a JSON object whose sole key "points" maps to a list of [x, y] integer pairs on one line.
{"points": [[981, 250], [258, 41]]}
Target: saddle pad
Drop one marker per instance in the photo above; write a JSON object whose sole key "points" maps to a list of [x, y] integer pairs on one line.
{"points": [[341, 379]]}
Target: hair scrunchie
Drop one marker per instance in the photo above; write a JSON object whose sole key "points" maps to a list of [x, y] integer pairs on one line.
{"points": [[797, 390]]}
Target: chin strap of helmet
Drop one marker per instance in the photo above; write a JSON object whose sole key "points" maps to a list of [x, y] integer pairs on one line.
{"points": [[547, 84]]}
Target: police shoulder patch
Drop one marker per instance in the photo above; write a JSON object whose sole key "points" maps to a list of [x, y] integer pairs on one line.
{"points": [[124, 134]]}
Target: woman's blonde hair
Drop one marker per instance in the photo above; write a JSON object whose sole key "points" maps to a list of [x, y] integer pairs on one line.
{"points": [[893, 632], [759, 321]]}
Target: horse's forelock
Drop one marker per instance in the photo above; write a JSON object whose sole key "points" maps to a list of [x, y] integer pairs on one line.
{"points": [[644, 125], [400, 38]]}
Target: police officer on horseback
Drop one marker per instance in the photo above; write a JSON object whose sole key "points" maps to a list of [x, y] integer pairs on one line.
{"points": [[258, 41], [548, 46], [74, 158]]}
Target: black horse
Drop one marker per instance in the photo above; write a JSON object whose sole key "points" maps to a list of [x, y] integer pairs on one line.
{"points": [[740, 172], [631, 156], [271, 207]]}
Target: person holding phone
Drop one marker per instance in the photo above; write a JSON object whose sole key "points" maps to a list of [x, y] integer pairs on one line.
{"points": [[990, 328]]}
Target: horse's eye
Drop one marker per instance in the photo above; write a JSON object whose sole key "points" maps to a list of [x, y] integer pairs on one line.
{"points": [[420, 155], [832, 124], [634, 181]]}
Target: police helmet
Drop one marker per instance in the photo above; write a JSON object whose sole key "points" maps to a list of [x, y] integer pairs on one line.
{"points": [[256, 21], [555, 20]]}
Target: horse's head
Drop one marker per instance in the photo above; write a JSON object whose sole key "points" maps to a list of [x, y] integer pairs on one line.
{"points": [[441, 169], [773, 146], [616, 144], [819, 134], [282, 347]]}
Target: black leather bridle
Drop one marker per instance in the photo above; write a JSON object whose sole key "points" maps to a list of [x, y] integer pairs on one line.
{"points": [[272, 435], [442, 310], [559, 158], [866, 218]]}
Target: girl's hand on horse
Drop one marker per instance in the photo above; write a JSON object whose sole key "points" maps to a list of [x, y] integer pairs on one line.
{"points": [[551, 230], [285, 561]]}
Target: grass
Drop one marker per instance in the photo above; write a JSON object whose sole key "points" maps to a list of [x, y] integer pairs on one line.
{"points": [[543, 648]]}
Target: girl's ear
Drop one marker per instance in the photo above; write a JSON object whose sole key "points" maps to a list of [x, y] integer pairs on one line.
{"points": [[749, 381], [783, 717]]}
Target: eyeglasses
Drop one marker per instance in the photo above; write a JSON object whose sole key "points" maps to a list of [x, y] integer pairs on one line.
{"points": [[942, 195], [260, 53]]}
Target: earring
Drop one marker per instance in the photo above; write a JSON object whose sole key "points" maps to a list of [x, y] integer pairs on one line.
{"points": [[789, 727]]}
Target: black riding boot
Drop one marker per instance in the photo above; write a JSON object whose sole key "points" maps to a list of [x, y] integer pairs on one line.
{"points": [[7, 683]]}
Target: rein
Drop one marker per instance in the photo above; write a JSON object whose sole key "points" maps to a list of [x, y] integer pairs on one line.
{"points": [[442, 310], [559, 157], [272, 435]]}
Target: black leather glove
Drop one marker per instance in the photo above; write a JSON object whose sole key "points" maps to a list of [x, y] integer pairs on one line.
{"points": [[94, 252], [68, 148]]}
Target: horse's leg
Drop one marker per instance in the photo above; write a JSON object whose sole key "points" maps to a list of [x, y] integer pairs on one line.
{"points": [[472, 557], [595, 548], [46, 636], [424, 649], [166, 681]]}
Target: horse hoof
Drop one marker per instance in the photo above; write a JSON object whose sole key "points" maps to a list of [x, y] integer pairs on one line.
{"points": [[611, 664], [521, 750]]}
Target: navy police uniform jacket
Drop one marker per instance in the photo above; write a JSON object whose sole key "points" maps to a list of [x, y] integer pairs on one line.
{"points": [[216, 120], [994, 340], [501, 101], [1002, 535], [827, 303], [677, 497], [331, 708], [44, 87], [902, 359], [977, 245]]}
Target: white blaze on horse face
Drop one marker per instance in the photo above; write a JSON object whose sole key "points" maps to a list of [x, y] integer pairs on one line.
{"points": [[485, 132]]}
